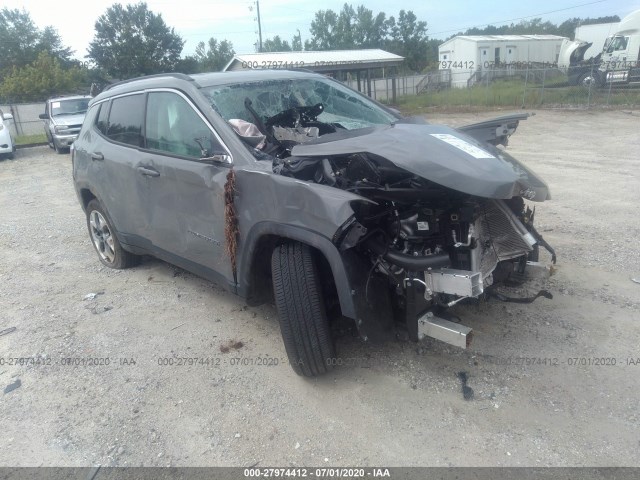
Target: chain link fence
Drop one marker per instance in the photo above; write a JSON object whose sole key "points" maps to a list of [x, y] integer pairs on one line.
{"points": [[520, 87], [25, 118]]}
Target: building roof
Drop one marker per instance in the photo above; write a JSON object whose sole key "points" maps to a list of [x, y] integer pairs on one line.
{"points": [[504, 38], [330, 60]]}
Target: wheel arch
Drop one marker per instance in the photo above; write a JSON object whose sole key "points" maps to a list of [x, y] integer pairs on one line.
{"points": [[86, 195], [255, 262]]}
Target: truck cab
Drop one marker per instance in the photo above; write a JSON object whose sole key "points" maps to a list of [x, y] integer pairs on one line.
{"points": [[620, 59], [618, 63]]}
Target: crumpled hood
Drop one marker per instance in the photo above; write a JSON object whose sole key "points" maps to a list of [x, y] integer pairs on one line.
{"points": [[440, 154]]}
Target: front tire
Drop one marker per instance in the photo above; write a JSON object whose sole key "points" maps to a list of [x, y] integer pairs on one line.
{"points": [[589, 80], [59, 150], [301, 310], [105, 241]]}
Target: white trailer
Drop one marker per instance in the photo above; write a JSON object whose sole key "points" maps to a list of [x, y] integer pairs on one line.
{"points": [[465, 55]]}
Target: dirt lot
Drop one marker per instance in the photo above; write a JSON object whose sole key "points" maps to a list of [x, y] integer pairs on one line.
{"points": [[396, 404]]}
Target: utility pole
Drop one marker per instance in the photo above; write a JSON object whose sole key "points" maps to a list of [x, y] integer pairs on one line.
{"points": [[259, 27]]}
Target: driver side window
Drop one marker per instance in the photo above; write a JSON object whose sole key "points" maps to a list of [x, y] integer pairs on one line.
{"points": [[618, 43], [173, 126]]}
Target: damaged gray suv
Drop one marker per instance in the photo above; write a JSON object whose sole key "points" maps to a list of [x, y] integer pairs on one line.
{"points": [[287, 185]]}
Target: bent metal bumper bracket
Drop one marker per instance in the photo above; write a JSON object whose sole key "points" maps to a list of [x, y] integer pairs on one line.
{"points": [[429, 325]]}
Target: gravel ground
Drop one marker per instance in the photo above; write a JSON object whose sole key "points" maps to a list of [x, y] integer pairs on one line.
{"points": [[397, 404]]}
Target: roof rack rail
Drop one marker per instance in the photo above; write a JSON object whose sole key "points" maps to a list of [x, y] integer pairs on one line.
{"points": [[180, 76]]}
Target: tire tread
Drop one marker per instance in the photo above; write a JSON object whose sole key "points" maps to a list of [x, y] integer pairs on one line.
{"points": [[303, 321]]}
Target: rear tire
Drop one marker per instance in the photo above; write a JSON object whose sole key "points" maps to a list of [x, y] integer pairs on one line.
{"points": [[301, 310], [105, 240]]}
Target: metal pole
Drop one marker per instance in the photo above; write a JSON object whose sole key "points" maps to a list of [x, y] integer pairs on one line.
{"points": [[259, 28], [526, 79], [589, 91], [544, 74], [393, 87]]}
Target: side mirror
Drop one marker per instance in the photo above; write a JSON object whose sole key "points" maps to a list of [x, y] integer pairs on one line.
{"points": [[44, 116], [7, 116], [217, 158], [216, 155]]}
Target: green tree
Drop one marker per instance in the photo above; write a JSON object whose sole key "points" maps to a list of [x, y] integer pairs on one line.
{"points": [[132, 41], [409, 39], [568, 27], [188, 64], [22, 41], [276, 44], [296, 43], [213, 56], [345, 26], [43, 78], [360, 28], [536, 26], [323, 31], [369, 31]]}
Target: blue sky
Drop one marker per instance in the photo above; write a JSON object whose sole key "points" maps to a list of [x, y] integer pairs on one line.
{"points": [[198, 20]]}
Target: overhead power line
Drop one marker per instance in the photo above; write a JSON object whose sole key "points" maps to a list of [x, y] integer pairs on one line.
{"points": [[519, 18]]}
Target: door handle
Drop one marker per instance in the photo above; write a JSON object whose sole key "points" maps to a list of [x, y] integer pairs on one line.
{"points": [[148, 172], [97, 156]]}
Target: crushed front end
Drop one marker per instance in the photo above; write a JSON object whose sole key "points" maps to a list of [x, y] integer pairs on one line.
{"points": [[445, 221]]}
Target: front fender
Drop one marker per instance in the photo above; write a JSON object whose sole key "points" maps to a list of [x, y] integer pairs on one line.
{"points": [[324, 245]]}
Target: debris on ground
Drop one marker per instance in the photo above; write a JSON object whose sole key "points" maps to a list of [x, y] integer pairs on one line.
{"points": [[467, 392], [7, 331], [12, 386], [231, 345], [92, 295]]}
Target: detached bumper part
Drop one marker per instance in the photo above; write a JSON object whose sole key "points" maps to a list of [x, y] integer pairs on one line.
{"points": [[454, 334], [455, 282]]}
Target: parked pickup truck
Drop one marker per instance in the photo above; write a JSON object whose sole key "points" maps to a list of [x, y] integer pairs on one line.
{"points": [[63, 118]]}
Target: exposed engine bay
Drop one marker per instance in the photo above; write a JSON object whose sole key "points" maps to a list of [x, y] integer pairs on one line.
{"points": [[444, 217]]}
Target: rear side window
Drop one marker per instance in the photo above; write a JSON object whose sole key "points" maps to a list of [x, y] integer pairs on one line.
{"points": [[125, 120]]}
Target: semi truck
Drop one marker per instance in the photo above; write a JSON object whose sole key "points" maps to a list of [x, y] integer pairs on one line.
{"points": [[617, 64]]}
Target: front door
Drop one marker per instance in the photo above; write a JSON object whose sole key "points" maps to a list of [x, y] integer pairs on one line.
{"points": [[186, 213]]}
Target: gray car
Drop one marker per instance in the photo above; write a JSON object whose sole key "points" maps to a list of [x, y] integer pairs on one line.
{"points": [[288, 185], [63, 118]]}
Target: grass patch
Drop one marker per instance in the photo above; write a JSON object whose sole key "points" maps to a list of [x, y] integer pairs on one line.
{"points": [[30, 139], [513, 94]]}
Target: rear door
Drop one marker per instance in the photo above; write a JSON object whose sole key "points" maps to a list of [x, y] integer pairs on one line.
{"points": [[186, 195], [115, 157]]}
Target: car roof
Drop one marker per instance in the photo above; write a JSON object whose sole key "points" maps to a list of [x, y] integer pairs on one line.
{"points": [[175, 80], [249, 75]]}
